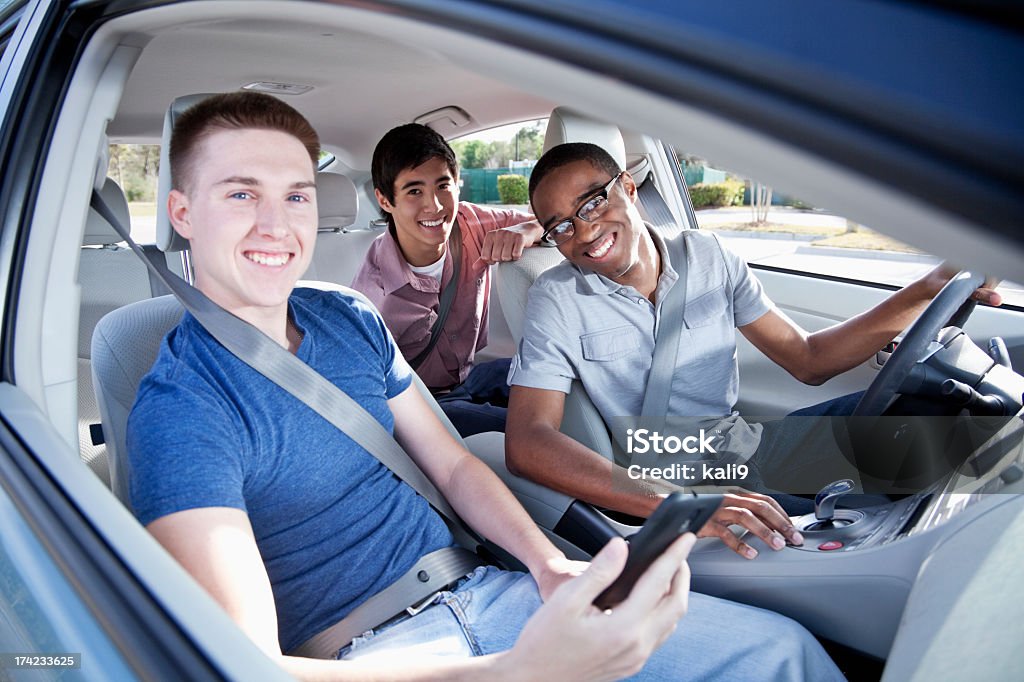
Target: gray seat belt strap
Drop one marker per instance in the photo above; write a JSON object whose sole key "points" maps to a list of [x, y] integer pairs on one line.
{"points": [[307, 385], [431, 574], [658, 212], [156, 287], [447, 296], [667, 336]]}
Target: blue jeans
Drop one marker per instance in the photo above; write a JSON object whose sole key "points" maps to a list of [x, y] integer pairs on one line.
{"points": [[480, 403], [801, 453], [717, 639]]}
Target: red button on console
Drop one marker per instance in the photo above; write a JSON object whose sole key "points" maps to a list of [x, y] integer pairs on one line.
{"points": [[830, 545]]}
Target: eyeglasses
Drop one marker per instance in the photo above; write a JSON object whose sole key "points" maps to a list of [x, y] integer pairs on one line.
{"points": [[592, 209]]}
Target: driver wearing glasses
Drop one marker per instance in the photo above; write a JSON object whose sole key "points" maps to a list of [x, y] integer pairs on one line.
{"points": [[593, 317], [589, 211]]}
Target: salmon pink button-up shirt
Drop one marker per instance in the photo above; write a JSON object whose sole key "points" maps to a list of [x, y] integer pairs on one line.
{"points": [[409, 301]]}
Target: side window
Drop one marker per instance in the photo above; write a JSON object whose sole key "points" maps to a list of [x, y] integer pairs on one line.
{"points": [[768, 226], [135, 168], [495, 164], [326, 159]]}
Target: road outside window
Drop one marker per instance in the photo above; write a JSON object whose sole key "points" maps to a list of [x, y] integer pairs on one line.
{"points": [[768, 226]]}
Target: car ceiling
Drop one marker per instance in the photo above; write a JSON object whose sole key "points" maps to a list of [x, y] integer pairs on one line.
{"points": [[363, 85], [374, 69]]}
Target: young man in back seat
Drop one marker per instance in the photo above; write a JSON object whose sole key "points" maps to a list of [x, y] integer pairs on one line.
{"points": [[416, 181], [290, 525]]}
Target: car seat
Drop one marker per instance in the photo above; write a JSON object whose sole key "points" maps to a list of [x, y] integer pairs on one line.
{"points": [[110, 276], [340, 243], [581, 420]]}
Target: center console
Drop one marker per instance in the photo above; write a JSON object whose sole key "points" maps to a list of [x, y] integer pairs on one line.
{"points": [[851, 579], [995, 468]]}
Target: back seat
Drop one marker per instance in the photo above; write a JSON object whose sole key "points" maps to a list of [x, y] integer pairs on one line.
{"points": [[111, 276], [340, 244]]}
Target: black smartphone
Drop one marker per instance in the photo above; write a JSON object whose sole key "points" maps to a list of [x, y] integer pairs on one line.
{"points": [[679, 513]]}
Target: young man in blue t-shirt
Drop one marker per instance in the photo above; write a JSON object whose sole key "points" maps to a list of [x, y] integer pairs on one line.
{"points": [[290, 525]]}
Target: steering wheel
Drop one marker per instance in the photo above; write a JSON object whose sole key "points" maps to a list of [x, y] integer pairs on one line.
{"points": [[951, 307]]}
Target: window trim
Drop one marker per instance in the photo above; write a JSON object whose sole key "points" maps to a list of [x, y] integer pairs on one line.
{"points": [[851, 280]]}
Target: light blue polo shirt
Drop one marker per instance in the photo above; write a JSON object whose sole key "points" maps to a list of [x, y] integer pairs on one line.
{"points": [[582, 325]]}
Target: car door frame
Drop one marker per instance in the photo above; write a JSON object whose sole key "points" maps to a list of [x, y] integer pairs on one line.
{"points": [[148, 619]]}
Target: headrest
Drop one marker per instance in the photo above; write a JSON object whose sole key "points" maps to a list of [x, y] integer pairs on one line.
{"points": [[166, 238], [98, 232], [336, 200], [565, 125]]}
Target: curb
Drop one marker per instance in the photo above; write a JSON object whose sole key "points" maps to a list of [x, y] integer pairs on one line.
{"points": [[779, 236], [868, 253]]}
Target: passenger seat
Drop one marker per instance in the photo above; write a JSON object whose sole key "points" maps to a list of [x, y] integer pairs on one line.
{"points": [[581, 420], [111, 276]]}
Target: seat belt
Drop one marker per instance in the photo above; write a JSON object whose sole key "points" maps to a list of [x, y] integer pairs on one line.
{"points": [[410, 593], [156, 287], [667, 338], [447, 296], [658, 212], [257, 350], [668, 335]]}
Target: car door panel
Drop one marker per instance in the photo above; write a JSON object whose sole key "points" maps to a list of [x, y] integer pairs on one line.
{"points": [[815, 303]]}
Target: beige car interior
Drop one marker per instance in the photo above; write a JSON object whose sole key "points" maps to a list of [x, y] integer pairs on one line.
{"points": [[909, 602]]}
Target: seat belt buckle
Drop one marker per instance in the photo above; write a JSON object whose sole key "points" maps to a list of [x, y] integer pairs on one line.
{"points": [[420, 606]]}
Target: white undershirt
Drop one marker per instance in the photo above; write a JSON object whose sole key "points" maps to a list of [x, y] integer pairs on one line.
{"points": [[433, 270]]}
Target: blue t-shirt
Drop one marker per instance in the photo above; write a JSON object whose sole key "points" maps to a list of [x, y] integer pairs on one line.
{"points": [[333, 525]]}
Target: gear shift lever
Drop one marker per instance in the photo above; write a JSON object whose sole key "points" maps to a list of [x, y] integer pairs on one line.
{"points": [[825, 502], [836, 527]]}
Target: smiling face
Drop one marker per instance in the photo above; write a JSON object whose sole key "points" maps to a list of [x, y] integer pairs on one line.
{"points": [[426, 201], [612, 245], [250, 215]]}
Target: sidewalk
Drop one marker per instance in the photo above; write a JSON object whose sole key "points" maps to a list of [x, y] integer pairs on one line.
{"points": [[784, 215], [797, 251]]}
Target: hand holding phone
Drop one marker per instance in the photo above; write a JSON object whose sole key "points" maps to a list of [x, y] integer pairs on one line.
{"points": [[679, 513]]}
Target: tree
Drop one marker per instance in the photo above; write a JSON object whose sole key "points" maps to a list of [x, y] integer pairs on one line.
{"points": [[135, 167], [528, 141], [499, 154], [471, 153], [760, 202]]}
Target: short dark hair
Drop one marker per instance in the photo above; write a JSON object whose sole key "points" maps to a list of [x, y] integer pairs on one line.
{"points": [[234, 111], [407, 146], [571, 152]]}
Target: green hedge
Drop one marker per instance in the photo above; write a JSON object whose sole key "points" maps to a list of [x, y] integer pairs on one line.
{"points": [[728, 193], [512, 189]]}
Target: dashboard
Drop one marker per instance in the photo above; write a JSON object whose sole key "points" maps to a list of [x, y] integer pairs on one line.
{"points": [[851, 584]]}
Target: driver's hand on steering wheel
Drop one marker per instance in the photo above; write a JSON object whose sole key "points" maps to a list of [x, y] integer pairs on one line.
{"points": [[759, 514], [937, 278]]}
